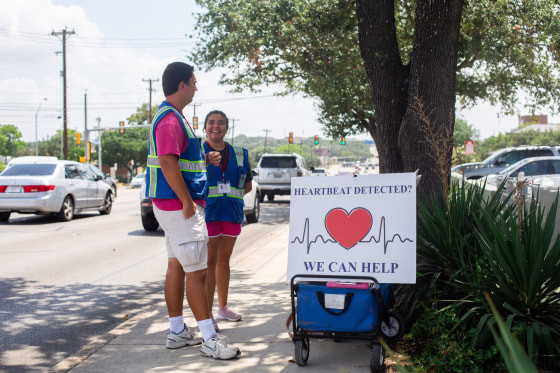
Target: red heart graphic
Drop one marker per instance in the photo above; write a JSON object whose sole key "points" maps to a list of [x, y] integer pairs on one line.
{"points": [[348, 229]]}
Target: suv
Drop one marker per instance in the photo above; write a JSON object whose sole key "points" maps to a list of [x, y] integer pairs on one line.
{"points": [[502, 159], [276, 172]]}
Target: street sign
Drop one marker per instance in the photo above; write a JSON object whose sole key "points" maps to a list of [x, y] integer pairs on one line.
{"points": [[469, 147]]}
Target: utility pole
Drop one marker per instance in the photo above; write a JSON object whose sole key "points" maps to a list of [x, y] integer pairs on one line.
{"points": [[265, 138], [85, 128], [99, 149], [36, 138], [151, 90], [65, 120], [232, 128]]}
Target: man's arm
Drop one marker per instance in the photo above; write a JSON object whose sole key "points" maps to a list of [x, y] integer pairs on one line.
{"points": [[170, 167]]}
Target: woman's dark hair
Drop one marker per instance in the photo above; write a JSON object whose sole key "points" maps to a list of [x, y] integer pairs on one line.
{"points": [[216, 112], [173, 75]]}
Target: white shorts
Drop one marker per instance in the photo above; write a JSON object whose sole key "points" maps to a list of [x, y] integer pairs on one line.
{"points": [[185, 239]]}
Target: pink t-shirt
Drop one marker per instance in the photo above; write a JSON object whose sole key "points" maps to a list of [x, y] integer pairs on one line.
{"points": [[171, 139]]}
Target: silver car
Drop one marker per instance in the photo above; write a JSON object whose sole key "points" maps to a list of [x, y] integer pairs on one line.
{"points": [[52, 186], [276, 172]]}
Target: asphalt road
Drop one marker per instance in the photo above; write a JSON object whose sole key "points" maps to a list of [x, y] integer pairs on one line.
{"points": [[64, 284]]}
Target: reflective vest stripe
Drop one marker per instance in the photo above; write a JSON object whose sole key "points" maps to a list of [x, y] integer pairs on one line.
{"points": [[184, 165], [239, 155], [234, 193]]}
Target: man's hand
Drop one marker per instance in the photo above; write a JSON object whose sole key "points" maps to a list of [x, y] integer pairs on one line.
{"points": [[189, 209], [213, 158]]}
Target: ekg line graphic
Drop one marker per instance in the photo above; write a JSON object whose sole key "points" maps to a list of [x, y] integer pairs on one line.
{"points": [[306, 238]]}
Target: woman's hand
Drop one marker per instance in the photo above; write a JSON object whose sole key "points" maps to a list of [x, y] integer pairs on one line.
{"points": [[213, 158]]}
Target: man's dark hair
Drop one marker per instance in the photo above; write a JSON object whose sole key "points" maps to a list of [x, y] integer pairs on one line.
{"points": [[174, 74], [216, 112]]}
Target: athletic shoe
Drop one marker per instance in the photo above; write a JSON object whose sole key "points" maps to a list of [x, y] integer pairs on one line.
{"points": [[217, 347], [214, 322], [186, 338], [225, 313]]}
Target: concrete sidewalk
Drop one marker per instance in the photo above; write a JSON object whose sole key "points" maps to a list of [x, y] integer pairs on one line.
{"points": [[260, 292]]}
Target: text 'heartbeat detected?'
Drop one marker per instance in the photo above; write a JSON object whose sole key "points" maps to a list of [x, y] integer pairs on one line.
{"points": [[305, 238]]}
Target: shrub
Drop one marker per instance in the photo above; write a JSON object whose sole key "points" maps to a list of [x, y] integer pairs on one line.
{"points": [[478, 244]]}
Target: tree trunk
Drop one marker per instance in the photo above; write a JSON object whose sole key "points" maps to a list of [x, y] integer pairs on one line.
{"points": [[388, 78], [415, 107]]}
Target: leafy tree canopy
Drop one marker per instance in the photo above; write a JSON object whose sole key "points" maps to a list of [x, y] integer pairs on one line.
{"points": [[507, 48], [10, 140]]}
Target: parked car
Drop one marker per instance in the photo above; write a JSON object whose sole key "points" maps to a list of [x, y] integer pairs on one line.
{"points": [[276, 172], [502, 159], [527, 168], [105, 177], [317, 171], [137, 181], [251, 208], [45, 185]]}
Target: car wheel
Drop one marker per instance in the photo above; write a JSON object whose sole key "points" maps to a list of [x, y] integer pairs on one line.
{"points": [[270, 196], [261, 197], [107, 205], [253, 217], [5, 216], [149, 222], [66, 212]]}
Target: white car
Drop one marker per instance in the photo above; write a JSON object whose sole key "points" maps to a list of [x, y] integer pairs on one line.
{"points": [[526, 168], [137, 181], [276, 171], [46, 185]]}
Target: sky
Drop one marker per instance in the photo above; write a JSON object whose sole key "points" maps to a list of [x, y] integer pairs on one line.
{"points": [[115, 47]]}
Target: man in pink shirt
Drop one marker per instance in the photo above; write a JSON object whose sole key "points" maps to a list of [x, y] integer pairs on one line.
{"points": [[176, 182]]}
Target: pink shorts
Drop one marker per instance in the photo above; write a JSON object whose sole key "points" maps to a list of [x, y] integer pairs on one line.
{"points": [[223, 228]]}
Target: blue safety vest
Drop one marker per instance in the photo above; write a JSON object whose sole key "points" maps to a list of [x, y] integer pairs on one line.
{"points": [[191, 162], [227, 206]]}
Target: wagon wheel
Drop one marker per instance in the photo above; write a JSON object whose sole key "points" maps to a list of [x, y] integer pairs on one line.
{"points": [[377, 358], [301, 347], [392, 326]]}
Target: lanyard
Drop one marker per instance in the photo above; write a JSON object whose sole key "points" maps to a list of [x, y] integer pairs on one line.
{"points": [[224, 161]]}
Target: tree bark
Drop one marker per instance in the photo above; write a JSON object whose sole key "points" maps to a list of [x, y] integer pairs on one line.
{"points": [[414, 105], [388, 78]]}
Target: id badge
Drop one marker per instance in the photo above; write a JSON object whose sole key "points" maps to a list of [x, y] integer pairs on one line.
{"points": [[224, 187]]}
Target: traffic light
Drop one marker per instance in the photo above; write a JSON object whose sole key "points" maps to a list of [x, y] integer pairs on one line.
{"points": [[316, 140], [291, 138], [342, 141], [121, 124], [88, 155], [195, 122], [78, 138]]}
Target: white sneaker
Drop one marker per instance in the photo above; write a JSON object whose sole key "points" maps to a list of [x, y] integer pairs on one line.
{"points": [[186, 338], [217, 347]]}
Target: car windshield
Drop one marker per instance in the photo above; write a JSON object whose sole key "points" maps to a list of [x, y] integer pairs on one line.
{"points": [[278, 162], [35, 169], [512, 168]]}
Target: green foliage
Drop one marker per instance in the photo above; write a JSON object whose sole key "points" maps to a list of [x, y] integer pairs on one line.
{"points": [[446, 346], [53, 146], [120, 148], [463, 132], [10, 140], [312, 47], [479, 243]]}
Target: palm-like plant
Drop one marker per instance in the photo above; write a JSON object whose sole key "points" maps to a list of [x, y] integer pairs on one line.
{"points": [[478, 244]]}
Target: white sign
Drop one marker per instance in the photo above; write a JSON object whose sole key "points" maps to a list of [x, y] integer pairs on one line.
{"points": [[469, 147], [354, 226]]}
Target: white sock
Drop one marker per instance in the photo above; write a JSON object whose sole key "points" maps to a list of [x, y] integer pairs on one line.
{"points": [[206, 329], [176, 324]]}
